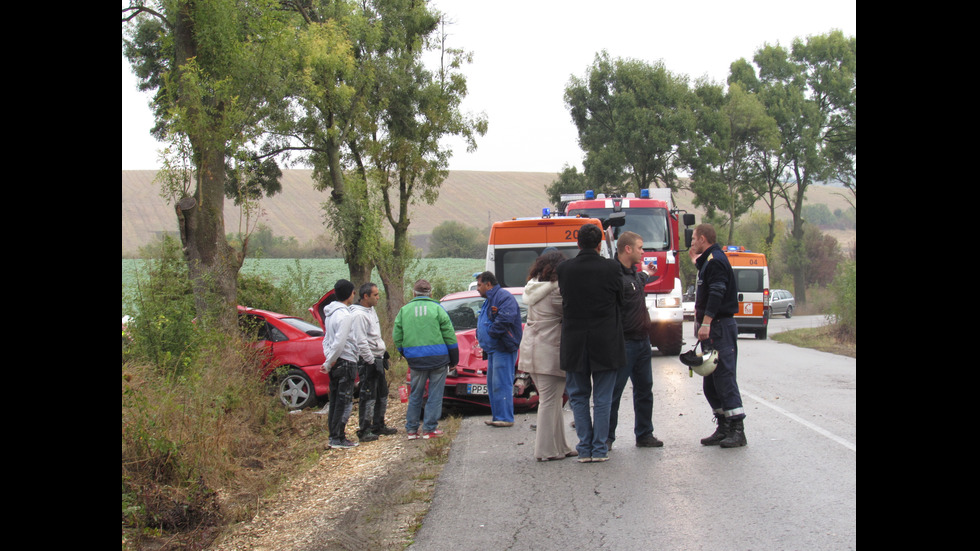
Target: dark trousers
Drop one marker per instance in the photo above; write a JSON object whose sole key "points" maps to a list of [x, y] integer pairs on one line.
{"points": [[721, 387], [373, 398], [342, 377], [638, 370]]}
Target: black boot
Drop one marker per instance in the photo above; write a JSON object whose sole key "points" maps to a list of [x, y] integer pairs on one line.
{"points": [[736, 435], [720, 432]]}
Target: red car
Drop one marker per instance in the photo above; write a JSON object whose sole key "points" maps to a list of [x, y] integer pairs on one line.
{"points": [[294, 355], [467, 382]]}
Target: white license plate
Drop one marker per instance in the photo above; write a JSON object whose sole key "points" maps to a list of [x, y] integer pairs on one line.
{"points": [[476, 389]]}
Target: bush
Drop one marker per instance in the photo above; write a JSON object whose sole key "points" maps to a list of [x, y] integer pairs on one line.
{"points": [[844, 308], [161, 330], [452, 239]]}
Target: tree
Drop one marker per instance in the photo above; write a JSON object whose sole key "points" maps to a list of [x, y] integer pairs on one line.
{"points": [[421, 108], [810, 92], [324, 118], [633, 121], [452, 239], [731, 128], [369, 116], [213, 65], [570, 180]]}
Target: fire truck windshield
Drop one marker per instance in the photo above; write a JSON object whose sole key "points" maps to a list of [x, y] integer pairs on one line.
{"points": [[649, 223]]}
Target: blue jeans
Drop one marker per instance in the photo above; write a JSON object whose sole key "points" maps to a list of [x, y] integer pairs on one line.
{"points": [[592, 432], [500, 384], [436, 378], [721, 388], [638, 370]]}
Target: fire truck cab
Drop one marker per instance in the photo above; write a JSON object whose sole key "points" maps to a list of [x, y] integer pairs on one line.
{"points": [[654, 218]]}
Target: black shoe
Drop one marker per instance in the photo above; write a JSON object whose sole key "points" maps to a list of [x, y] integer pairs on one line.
{"points": [[736, 435], [385, 431], [368, 436], [720, 433], [649, 441]]}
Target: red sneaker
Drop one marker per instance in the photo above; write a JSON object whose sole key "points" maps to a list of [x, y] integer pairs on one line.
{"points": [[434, 434]]}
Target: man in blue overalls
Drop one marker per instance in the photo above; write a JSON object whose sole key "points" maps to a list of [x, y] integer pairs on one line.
{"points": [[715, 305]]}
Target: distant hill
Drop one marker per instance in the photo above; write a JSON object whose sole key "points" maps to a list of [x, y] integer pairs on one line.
{"points": [[470, 197]]}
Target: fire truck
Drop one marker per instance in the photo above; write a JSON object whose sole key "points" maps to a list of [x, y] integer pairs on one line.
{"points": [[655, 219]]}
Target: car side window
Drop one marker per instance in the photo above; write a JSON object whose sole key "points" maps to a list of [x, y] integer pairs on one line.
{"points": [[275, 335]]}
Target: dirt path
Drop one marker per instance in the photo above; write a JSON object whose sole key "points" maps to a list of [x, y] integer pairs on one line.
{"points": [[373, 496]]}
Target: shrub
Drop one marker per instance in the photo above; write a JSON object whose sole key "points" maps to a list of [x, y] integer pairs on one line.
{"points": [[161, 330], [844, 308]]}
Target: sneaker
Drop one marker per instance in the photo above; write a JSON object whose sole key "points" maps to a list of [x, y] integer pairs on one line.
{"points": [[368, 436], [649, 441], [585, 460], [433, 434], [599, 459], [413, 435], [386, 431], [343, 444]]}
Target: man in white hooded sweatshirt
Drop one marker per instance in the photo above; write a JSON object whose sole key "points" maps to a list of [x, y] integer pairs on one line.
{"points": [[340, 353]]}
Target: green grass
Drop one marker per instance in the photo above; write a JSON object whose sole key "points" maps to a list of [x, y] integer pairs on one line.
{"points": [[824, 338]]}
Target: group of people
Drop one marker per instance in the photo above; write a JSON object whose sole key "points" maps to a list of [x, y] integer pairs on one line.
{"points": [[587, 332]]}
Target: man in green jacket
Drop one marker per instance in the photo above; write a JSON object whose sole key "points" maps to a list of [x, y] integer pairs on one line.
{"points": [[426, 338]]}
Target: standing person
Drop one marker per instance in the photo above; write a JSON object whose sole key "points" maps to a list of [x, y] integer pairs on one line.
{"points": [[499, 332], [539, 356], [425, 336], [715, 305], [371, 351], [340, 353], [592, 346], [636, 333]]}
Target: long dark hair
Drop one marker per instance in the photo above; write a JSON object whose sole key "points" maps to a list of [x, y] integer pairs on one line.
{"points": [[544, 267]]}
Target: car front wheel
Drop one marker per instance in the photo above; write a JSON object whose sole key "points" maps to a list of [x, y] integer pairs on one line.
{"points": [[296, 390]]}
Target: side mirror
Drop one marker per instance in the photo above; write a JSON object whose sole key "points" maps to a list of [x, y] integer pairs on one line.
{"points": [[688, 236], [688, 219]]}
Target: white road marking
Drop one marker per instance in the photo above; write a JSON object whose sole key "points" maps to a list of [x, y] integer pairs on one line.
{"points": [[849, 445]]}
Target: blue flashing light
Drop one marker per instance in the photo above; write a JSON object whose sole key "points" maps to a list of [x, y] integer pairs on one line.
{"points": [[645, 193], [589, 194], [545, 212]]}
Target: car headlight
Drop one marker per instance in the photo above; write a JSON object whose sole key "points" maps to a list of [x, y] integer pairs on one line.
{"points": [[668, 302]]}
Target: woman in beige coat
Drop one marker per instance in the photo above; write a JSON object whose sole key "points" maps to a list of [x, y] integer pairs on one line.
{"points": [[539, 356]]}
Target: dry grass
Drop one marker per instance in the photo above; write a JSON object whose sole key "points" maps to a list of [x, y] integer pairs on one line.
{"points": [[181, 440]]}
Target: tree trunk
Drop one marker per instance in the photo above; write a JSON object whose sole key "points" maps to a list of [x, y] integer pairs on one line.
{"points": [[212, 263]]}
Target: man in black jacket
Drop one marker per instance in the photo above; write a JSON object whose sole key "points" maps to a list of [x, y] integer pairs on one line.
{"points": [[636, 331], [592, 347], [715, 305]]}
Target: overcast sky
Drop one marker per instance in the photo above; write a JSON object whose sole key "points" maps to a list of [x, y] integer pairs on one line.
{"points": [[525, 51]]}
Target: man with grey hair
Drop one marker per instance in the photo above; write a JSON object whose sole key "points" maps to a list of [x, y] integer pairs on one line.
{"points": [[426, 338]]}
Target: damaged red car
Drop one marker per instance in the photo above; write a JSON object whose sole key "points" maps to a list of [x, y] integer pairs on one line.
{"points": [[293, 350]]}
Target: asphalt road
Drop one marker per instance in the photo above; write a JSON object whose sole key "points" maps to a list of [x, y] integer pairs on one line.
{"points": [[793, 487]]}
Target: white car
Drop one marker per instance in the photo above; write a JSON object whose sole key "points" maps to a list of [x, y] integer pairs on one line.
{"points": [[781, 301], [687, 301]]}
